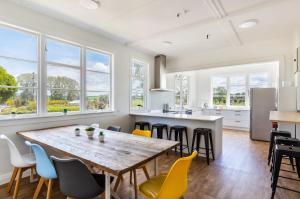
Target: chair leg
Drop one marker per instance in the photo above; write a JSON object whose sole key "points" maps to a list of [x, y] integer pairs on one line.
{"points": [[206, 148], [176, 139], [198, 142], [187, 141], [152, 129], [292, 162], [117, 182], [50, 186], [135, 183], [146, 172], [181, 142], [270, 147], [277, 163], [18, 179], [212, 146], [130, 177], [38, 188], [12, 180], [298, 166], [193, 142]]}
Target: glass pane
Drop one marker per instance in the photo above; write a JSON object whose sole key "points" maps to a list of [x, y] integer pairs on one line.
{"points": [[18, 73], [177, 99], [138, 69], [219, 82], [61, 52], [238, 80], [63, 77], [97, 61], [237, 96], [20, 101], [219, 100], [137, 100], [18, 44], [58, 100], [137, 84], [97, 81], [258, 80], [97, 100]]}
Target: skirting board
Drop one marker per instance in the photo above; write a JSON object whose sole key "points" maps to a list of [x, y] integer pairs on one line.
{"points": [[4, 178]]}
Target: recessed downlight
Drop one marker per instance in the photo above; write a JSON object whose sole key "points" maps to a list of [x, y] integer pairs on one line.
{"points": [[89, 4], [167, 43], [248, 23]]}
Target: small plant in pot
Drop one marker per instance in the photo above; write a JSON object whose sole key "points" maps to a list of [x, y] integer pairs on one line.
{"points": [[77, 131], [90, 132], [101, 137]]}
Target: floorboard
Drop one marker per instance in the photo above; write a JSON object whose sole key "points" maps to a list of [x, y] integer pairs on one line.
{"points": [[240, 173]]}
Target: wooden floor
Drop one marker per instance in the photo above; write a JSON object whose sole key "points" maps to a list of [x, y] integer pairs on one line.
{"points": [[240, 173]]}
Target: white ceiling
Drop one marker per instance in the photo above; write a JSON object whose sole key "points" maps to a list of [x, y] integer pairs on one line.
{"points": [[145, 24]]}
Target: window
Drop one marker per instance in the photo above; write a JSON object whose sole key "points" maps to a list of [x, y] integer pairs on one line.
{"points": [[98, 80], [181, 90], [138, 84], [237, 91], [219, 91], [18, 72], [72, 76], [259, 80], [63, 76]]}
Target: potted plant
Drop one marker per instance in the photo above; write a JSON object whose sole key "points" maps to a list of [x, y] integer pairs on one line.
{"points": [[101, 136], [77, 131], [13, 114], [65, 111], [90, 132]]}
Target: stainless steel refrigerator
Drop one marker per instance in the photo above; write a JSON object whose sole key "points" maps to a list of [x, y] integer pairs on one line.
{"points": [[262, 101]]}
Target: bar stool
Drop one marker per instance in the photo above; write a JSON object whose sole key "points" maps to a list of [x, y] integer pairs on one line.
{"points": [[207, 133], [179, 130], [142, 125], [280, 152], [159, 130], [272, 137]]}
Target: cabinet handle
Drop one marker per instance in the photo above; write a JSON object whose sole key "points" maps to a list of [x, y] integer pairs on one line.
{"points": [[237, 121]]}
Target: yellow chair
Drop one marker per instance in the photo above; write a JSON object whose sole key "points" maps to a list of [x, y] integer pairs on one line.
{"points": [[137, 132], [169, 186]]}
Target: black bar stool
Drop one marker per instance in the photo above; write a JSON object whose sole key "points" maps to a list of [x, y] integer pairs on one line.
{"points": [[159, 130], [280, 152], [207, 133], [142, 125], [179, 130], [272, 137]]}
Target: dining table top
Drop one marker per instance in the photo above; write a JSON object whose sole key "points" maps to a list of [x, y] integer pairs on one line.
{"points": [[120, 152], [285, 117]]}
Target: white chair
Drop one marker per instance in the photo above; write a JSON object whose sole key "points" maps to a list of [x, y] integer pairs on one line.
{"points": [[20, 162]]}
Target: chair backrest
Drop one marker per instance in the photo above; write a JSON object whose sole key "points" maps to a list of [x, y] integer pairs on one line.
{"points": [[176, 182], [114, 128], [144, 133], [15, 156], [75, 179], [44, 166]]}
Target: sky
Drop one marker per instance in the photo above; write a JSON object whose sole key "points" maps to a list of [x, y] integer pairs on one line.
{"points": [[23, 46]]}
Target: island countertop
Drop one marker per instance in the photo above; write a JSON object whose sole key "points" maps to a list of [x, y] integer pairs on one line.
{"points": [[178, 116]]}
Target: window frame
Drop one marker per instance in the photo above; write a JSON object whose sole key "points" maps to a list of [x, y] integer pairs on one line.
{"points": [[179, 77], [145, 80], [42, 66]]}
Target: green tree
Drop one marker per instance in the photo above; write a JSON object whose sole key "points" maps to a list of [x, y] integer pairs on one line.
{"points": [[67, 87], [6, 79]]}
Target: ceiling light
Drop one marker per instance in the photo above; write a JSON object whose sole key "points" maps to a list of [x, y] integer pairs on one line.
{"points": [[248, 24], [167, 43], [90, 4]]}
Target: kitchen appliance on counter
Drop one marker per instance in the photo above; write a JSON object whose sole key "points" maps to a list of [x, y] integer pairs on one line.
{"points": [[166, 108], [262, 101]]}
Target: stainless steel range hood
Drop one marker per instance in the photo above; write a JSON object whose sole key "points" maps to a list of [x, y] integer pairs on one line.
{"points": [[160, 79]]}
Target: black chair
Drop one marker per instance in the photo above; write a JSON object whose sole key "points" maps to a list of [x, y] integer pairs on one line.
{"points": [[207, 133], [272, 138], [179, 131], [280, 152], [114, 128], [75, 179], [159, 130], [142, 125]]}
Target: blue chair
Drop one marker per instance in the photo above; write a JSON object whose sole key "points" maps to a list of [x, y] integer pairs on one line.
{"points": [[44, 168]]}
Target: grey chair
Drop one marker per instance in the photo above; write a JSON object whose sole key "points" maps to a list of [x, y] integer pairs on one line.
{"points": [[75, 179], [114, 128]]}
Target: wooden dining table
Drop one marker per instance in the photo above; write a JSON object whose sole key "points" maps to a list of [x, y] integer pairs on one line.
{"points": [[119, 153]]}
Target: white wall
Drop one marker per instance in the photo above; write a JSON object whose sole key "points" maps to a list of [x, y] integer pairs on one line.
{"points": [[200, 80], [12, 14]]}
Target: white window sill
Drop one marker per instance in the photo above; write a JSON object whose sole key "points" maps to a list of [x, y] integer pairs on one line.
{"points": [[51, 117]]}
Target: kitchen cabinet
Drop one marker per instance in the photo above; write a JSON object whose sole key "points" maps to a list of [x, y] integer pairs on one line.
{"points": [[296, 61], [233, 119]]}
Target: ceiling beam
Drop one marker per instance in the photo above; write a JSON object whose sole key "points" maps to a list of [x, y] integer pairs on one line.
{"points": [[223, 16]]}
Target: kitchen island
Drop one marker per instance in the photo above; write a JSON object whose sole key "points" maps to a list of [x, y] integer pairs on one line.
{"points": [[214, 123]]}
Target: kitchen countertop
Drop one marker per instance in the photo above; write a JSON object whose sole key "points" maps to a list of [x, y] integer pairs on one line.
{"points": [[178, 116]]}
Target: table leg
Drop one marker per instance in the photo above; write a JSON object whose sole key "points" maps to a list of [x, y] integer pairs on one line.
{"points": [[107, 185], [155, 167]]}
